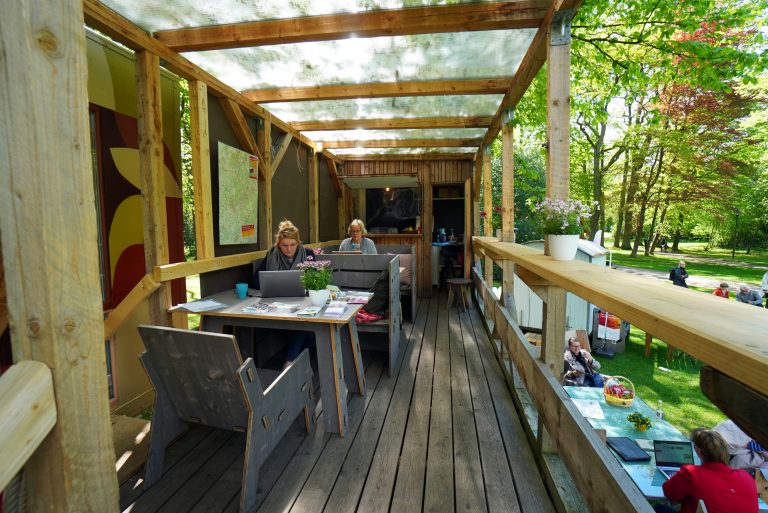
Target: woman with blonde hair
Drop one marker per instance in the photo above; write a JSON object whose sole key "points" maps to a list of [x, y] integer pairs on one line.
{"points": [[356, 240]]}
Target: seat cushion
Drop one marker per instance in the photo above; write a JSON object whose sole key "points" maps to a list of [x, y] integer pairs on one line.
{"points": [[405, 269]]}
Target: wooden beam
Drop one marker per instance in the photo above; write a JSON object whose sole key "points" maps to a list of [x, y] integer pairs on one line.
{"points": [[105, 20], [467, 226], [380, 90], [264, 141], [384, 124], [743, 405], [530, 65], [411, 156], [141, 291], [285, 142], [507, 184], [152, 184], [558, 113], [427, 210], [334, 173], [403, 143], [3, 297], [390, 22], [487, 194], [240, 128], [341, 203], [49, 232], [27, 414], [201, 168], [314, 200]]}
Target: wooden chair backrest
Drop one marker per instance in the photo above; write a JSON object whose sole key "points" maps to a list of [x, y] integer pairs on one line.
{"points": [[198, 371]]}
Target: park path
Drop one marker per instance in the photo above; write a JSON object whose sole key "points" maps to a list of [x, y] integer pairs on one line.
{"points": [[693, 279]]}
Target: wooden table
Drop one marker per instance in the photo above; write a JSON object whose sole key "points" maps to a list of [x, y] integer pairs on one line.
{"points": [[336, 339], [644, 473]]}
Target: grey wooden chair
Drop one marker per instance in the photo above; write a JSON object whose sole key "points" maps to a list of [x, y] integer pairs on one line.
{"points": [[200, 378]]}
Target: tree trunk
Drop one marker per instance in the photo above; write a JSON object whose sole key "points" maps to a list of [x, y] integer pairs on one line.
{"points": [[678, 233], [622, 201]]}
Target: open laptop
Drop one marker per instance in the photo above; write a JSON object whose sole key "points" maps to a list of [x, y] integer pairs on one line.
{"points": [[671, 455], [281, 284]]}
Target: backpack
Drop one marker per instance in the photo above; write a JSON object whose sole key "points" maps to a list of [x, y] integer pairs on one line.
{"points": [[672, 275]]}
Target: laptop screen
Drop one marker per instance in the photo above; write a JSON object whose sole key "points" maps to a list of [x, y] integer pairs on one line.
{"points": [[281, 284], [672, 453]]}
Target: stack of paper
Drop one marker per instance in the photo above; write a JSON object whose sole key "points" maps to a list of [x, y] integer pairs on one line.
{"points": [[335, 309], [202, 305], [309, 311]]}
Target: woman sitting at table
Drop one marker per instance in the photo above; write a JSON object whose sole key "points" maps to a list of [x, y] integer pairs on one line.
{"points": [[356, 240], [285, 255], [579, 368], [722, 489]]}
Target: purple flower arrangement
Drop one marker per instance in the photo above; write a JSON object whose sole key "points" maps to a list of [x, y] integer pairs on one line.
{"points": [[562, 217], [315, 274]]}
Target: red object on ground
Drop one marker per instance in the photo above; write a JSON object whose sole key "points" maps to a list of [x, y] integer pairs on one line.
{"points": [[609, 320]]}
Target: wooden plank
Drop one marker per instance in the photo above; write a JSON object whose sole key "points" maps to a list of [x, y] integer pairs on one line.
{"points": [[314, 200], [201, 168], [141, 291], [740, 403], [439, 486], [558, 117], [402, 143], [242, 132], [719, 333], [152, 183], [3, 296], [531, 493], [427, 213], [409, 487], [380, 90], [27, 414], [264, 142], [468, 220], [407, 156], [285, 142], [390, 22], [468, 470], [507, 184], [100, 17], [354, 124], [48, 230]]}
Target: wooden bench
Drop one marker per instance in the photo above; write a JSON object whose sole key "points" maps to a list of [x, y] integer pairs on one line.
{"points": [[359, 272], [200, 378]]}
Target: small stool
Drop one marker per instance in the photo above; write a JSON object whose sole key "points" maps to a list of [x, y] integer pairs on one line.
{"points": [[462, 287]]}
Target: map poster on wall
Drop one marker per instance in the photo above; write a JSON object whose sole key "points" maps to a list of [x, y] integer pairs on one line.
{"points": [[238, 196]]}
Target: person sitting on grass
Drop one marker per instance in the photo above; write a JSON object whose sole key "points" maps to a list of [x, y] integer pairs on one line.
{"points": [[751, 297], [721, 291], [722, 489], [579, 368]]}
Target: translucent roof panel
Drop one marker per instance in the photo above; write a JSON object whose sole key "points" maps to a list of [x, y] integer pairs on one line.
{"points": [[399, 151], [454, 55], [155, 15], [388, 108], [398, 134]]}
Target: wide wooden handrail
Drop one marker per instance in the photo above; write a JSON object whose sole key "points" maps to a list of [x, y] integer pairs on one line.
{"points": [[121, 312], [27, 414], [726, 335], [591, 465]]}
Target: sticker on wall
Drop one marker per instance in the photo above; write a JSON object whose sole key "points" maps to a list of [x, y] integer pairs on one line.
{"points": [[238, 196]]}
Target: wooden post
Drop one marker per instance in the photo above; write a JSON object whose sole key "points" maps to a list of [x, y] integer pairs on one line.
{"points": [[426, 222], [48, 229], [553, 346], [264, 142], [507, 179], [152, 180], [467, 226], [558, 104], [648, 340], [314, 214], [201, 168], [488, 208], [476, 197]]}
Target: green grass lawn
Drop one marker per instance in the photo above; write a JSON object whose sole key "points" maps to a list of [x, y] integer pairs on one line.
{"points": [[193, 292]]}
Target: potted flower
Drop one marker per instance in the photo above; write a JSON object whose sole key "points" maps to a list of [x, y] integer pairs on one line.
{"points": [[641, 422], [562, 222], [316, 276]]}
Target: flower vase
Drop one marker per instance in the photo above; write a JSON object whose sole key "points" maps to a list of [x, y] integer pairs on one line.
{"points": [[563, 247], [319, 297]]}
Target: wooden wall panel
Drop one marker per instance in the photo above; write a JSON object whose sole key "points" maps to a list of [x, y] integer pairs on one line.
{"points": [[441, 171]]}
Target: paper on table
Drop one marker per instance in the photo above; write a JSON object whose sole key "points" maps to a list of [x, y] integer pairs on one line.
{"points": [[589, 408], [335, 309], [202, 305]]}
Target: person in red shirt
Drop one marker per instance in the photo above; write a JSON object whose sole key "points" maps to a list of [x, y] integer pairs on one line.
{"points": [[722, 291], [722, 488]]}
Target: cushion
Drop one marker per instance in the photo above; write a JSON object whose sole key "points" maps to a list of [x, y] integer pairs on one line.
{"points": [[405, 274]]}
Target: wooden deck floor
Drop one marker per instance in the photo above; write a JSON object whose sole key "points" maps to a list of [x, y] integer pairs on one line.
{"points": [[440, 436]]}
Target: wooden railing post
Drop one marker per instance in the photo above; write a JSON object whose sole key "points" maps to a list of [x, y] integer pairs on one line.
{"points": [[553, 342], [264, 142]]}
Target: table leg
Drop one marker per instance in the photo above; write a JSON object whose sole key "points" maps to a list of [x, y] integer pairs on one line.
{"points": [[333, 388], [353, 361], [648, 340]]}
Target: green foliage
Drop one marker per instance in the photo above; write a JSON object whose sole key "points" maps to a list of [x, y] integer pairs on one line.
{"points": [[641, 422], [187, 188]]}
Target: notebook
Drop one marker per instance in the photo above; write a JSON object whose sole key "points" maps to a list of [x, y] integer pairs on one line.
{"points": [[281, 284], [671, 455], [627, 448]]}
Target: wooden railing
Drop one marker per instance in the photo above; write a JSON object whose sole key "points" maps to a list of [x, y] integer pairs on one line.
{"points": [[27, 414], [722, 334]]}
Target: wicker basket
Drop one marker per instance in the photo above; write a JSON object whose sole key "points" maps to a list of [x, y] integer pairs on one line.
{"points": [[613, 381]]}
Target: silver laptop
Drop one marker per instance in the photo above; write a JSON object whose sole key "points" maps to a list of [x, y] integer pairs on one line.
{"points": [[671, 455], [281, 284]]}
